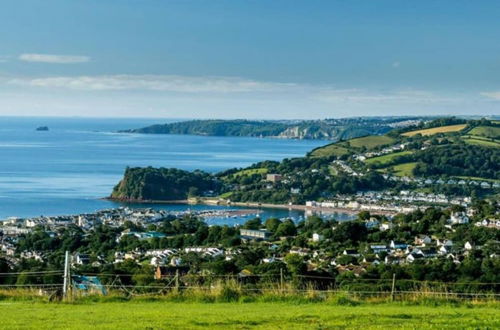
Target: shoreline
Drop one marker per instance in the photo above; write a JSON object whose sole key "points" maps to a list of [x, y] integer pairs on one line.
{"points": [[253, 205]]}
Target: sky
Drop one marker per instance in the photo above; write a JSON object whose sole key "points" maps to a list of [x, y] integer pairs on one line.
{"points": [[264, 59]]}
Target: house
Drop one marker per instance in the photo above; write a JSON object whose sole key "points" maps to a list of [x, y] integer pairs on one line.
{"points": [[444, 242], [414, 256], [377, 248], [372, 223], [398, 246], [81, 259], [295, 191], [444, 250], [274, 178], [429, 252], [468, 246], [351, 252], [317, 237], [422, 240], [385, 226], [458, 218]]}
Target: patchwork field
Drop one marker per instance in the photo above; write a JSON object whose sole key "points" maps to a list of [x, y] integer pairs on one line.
{"points": [[258, 315], [435, 130]]}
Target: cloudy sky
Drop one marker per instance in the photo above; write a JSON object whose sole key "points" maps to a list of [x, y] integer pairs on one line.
{"points": [[249, 59]]}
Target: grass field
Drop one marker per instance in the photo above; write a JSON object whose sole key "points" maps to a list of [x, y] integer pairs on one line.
{"points": [[486, 131], [482, 142], [343, 147], [405, 169], [258, 315], [385, 159], [435, 130], [330, 150], [371, 141], [251, 171]]}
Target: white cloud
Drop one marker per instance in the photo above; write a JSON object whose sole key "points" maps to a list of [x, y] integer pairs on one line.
{"points": [[165, 83], [384, 97], [491, 95], [54, 59]]}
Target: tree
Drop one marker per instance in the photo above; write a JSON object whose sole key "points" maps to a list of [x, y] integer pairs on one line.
{"points": [[295, 264], [254, 223], [286, 228]]}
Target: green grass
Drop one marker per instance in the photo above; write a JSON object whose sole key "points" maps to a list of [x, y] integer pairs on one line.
{"points": [[482, 142], [333, 149], [476, 178], [371, 141], [259, 315], [435, 130], [251, 171], [486, 131], [344, 147], [226, 195], [405, 169], [385, 159]]}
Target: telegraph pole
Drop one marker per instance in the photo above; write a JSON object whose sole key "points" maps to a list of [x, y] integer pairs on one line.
{"points": [[393, 286], [66, 282]]}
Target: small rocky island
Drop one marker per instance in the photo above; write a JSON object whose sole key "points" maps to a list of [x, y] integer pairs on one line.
{"points": [[42, 128]]}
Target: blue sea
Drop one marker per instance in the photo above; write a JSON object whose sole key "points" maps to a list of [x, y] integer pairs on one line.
{"points": [[68, 169]]}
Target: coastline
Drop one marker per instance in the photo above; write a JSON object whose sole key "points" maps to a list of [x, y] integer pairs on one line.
{"points": [[251, 205]]}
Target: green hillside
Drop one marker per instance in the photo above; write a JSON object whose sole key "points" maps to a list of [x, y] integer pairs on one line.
{"points": [[353, 145], [492, 132]]}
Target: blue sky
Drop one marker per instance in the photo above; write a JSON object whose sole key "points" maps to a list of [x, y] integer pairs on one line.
{"points": [[249, 59]]}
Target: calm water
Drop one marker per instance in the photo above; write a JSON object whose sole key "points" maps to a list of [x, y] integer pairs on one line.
{"points": [[67, 169]]}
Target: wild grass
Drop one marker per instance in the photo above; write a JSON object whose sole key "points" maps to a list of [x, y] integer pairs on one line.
{"points": [[235, 305]]}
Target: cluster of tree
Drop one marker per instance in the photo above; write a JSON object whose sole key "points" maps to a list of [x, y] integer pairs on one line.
{"points": [[150, 183], [458, 160]]}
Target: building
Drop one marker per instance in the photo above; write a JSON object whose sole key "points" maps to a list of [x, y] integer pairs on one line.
{"points": [[252, 234], [274, 177]]}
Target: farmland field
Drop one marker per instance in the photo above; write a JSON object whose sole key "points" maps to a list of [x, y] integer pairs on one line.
{"points": [[435, 130], [258, 315]]}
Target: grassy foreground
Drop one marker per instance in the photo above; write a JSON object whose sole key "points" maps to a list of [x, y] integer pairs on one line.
{"points": [[144, 314]]}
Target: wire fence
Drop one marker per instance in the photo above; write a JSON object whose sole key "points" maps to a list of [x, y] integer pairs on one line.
{"points": [[52, 282]]}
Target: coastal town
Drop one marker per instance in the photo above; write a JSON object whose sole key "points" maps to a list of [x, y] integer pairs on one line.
{"points": [[145, 225]]}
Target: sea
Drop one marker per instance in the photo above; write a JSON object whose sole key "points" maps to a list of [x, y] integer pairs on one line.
{"points": [[72, 166]]}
